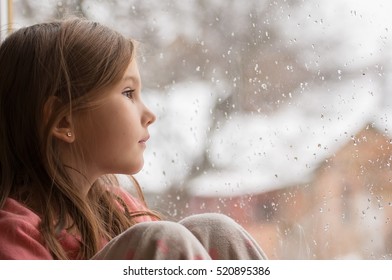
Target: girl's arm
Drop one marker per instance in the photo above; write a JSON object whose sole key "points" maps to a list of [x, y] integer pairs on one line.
{"points": [[134, 205]]}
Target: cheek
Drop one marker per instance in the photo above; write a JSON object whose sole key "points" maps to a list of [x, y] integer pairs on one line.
{"points": [[91, 135], [110, 138]]}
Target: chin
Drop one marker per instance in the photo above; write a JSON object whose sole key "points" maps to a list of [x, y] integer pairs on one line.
{"points": [[136, 168]]}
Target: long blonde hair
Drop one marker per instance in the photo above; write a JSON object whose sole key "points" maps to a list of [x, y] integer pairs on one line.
{"points": [[71, 60]]}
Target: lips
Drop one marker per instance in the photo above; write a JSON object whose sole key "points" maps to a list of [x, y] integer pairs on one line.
{"points": [[145, 139]]}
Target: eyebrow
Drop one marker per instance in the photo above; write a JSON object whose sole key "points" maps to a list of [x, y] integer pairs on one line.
{"points": [[130, 78]]}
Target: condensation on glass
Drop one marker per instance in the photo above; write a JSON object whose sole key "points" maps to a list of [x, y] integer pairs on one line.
{"points": [[276, 113]]}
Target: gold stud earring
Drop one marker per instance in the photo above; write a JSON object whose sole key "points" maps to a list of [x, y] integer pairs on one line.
{"points": [[69, 134]]}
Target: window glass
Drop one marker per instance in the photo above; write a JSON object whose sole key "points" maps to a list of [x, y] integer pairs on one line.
{"points": [[276, 113]]}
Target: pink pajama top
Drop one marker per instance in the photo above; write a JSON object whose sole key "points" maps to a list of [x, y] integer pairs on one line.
{"points": [[21, 239]]}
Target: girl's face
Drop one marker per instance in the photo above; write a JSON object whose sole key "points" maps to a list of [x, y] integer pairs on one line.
{"points": [[114, 135]]}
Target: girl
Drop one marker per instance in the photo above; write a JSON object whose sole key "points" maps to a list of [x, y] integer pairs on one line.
{"points": [[70, 113]]}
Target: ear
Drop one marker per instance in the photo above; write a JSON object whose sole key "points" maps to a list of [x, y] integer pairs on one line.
{"points": [[63, 129]]}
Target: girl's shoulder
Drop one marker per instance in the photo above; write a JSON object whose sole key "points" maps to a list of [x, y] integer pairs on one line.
{"points": [[20, 236], [14, 212]]}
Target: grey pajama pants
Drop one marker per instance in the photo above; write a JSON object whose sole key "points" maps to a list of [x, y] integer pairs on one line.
{"points": [[203, 236]]}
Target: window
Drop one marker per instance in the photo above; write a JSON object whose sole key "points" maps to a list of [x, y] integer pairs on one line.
{"points": [[256, 100]]}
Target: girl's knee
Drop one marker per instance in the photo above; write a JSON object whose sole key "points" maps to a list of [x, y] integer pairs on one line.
{"points": [[223, 237], [163, 229], [209, 220], [210, 227], [157, 230], [155, 240]]}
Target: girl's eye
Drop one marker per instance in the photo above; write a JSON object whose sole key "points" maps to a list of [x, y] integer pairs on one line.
{"points": [[128, 93]]}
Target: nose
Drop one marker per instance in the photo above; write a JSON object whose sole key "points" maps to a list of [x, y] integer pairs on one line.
{"points": [[148, 116]]}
